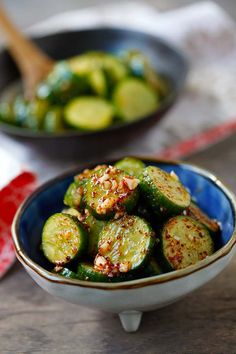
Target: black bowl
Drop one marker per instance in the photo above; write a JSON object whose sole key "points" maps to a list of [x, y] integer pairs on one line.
{"points": [[164, 57]]}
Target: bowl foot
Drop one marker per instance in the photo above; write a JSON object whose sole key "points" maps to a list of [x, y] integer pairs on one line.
{"points": [[130, 320]]}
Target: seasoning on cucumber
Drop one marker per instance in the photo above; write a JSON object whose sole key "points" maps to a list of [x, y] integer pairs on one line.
{"points": [[163, 191], [184, 242], [86, 271], [196, 213], [110, 193], [63, 239], [124, 245], [126, 222]]}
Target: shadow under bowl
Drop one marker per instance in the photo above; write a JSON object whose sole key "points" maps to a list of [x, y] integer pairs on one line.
{"points": [[128, 299], [166, 60]]}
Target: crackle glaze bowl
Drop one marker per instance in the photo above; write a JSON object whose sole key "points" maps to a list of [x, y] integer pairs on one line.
{"points": [[128, 299]]}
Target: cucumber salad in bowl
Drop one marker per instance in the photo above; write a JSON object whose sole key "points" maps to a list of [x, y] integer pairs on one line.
{"points": [[127, 221], [90, 92]]}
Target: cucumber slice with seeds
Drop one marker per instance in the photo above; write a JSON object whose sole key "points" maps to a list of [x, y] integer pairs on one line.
{"points": [[63, 239], [163, 191], [89, 113], [184, 242], [197, 214], [124, 245], [134, 99], [131, 165], [110, 192]]}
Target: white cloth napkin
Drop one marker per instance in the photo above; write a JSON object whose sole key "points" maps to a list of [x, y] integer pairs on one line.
{"points": [[207, 36]]}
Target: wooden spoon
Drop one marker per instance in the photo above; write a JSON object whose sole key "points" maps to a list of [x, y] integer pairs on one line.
{"points": [[33, 64]]}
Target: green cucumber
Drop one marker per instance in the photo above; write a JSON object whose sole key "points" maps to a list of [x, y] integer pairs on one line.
{"points": [[134, 99], [184, 242], [196, 213], [163, 191], [124, 245], [94, 227], [131, 165], [67, 273], [115, 69], [7, 113], [74, 195], [87, 272], [111, 192], [89, 113], [62, 85], [53, 120], [63, 239], [98, 82]]}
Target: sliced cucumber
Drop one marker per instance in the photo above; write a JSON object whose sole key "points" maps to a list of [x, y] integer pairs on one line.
{"points": [[89, 113], [86, 271], [140, 66], [67, 273], [131, 165], [7, 113], [86, 174], [74, 195], [134, 99], [110, 192], [53, 120], [85, 64], [124, 245], [184, 242], [163, 191], [98, 82], [196, 213], [62, 85], [94, 227], [63, 239]]}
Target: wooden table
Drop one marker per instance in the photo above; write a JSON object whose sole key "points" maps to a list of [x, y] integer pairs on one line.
{"points": [[32, 321]]}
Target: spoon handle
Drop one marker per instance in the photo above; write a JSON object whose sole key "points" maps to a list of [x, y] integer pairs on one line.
{"points": [[34, 65]]}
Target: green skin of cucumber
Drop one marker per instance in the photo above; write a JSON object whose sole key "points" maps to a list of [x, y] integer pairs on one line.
{"points": [[72, 197], [131, 165], [62, 85], [94, 228], [53, 120], [128, 203], [157, 199], [57, 219], [87, 272], [164, 262], [67, 273]]}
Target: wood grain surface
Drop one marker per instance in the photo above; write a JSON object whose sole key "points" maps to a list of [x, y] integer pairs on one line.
{"points": [[32, 321]]}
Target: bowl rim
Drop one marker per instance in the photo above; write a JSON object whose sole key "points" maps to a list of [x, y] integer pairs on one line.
{"points": [[137, 283], [165, 104]]}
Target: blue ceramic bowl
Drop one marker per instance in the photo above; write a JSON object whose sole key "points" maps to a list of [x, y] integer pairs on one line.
{"points": [[132, 296]]}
